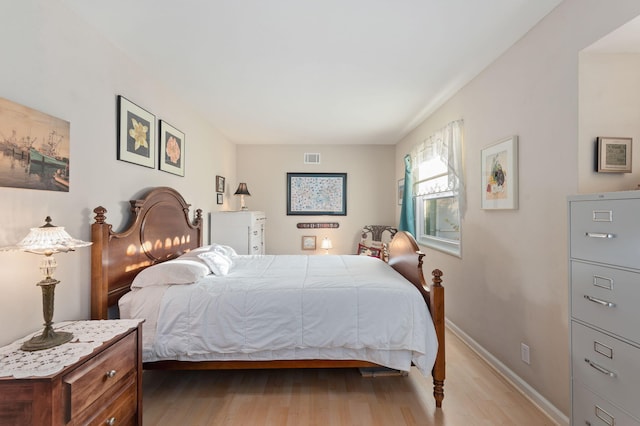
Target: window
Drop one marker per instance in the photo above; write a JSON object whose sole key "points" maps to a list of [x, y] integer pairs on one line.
{"points": [[439, 189]]}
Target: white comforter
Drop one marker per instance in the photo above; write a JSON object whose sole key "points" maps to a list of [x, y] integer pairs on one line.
{"points": [[289, 307]]}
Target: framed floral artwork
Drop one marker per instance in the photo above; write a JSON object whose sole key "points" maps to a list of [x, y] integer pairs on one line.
{"points": [[499, 165], [136, 134], [171, 149], [220, 183]]}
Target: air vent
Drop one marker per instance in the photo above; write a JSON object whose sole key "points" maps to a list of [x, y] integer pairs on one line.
{"points": [[311, 158]]}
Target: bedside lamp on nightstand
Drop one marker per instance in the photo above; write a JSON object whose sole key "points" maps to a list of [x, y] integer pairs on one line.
{"points": [[326, 245], [242, 191], [47, 240]]}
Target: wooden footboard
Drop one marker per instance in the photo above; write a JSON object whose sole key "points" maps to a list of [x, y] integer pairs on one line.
{"points": [[160, 229]]}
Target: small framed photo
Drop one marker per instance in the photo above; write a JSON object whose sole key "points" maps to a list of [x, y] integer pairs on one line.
{"points": [[400, 191], [219, 198], [219, 183], [309, 242], [171, 149], [136, 134], [613, 155], [499, 165]]}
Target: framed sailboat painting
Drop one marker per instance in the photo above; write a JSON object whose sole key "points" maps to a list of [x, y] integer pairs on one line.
{"points": [[34, 148]]}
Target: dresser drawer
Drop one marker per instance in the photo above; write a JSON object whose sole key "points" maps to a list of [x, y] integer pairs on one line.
{"points": [[120, 411], [607, 366], [100, 376], [589, 409], [607, 298], [606, 231]]}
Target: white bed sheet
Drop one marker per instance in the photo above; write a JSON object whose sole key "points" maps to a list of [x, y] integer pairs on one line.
{"points": [[289, 307]]}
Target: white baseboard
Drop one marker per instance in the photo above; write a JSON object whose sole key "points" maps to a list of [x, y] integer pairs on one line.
{"points": [[530, 393]]}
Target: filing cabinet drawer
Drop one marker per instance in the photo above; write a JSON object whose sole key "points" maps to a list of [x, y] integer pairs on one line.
{"points": [[590, 409], [607, 298], [606, 366], [606, 231]]}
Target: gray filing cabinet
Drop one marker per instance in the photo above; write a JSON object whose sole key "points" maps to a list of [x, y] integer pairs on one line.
{"points": [[604, 252], [243, 230]]}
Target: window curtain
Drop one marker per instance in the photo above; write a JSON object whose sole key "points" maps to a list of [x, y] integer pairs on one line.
{"points": [[407, 215], [445, 144]]}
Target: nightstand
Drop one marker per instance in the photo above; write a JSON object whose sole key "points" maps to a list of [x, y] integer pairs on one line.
{"points": [[94, 379]]}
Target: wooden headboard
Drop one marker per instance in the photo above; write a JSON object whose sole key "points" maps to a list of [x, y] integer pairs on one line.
{"points": [[159, 229]]}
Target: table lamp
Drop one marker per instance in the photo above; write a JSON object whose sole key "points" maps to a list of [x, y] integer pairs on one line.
{"points": [[242, 191], [47, 240], [326, 244]]}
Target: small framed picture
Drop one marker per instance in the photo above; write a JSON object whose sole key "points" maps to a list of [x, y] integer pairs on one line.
{"points": [[219, 183], [219, 198], [136, 134], [171, 149], [499, 165], [613, 155], [309, 242]]}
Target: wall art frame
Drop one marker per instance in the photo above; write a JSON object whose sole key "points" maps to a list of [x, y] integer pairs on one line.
{"points": [[317, 194], [220, 183], [309, 242], [136, 134], [35, 149], [613, 155], [400, 191], [172, 149], [499, 170], [219, 198]]}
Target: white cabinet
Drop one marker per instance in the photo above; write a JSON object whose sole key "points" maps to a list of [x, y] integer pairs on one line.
{"points": [[604, 248], [242, 230]]}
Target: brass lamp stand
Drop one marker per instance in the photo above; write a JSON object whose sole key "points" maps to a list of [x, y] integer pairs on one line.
{"points": [[49, 338]]}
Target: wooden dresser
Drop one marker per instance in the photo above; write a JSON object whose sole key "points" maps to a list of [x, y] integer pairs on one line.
{"points": [[101, 388], [604, 231]]}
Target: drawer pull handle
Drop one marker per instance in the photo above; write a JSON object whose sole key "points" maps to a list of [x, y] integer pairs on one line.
{"points": [[111, 373], [600, 368], [599, 235], [111, 421], [600, 301]]}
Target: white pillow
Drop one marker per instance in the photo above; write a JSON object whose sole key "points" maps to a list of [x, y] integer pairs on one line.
{"points": [[217, 262], [226, 250], [176, 271]]}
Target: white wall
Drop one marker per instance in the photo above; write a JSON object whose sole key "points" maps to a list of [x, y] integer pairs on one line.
{"points": [[510, 286], [54, 63], [609, 105], [371, 191]]}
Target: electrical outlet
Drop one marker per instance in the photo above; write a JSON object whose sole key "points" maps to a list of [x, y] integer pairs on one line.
{"points": [[524, 353]]}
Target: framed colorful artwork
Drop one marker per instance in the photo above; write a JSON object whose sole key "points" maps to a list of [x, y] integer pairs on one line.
{"points": [[317, 194], [171, 149], [614, 155], [136, 134], [499, 165]]}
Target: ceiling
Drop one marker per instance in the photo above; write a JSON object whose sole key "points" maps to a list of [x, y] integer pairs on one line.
{"points": [[313, 71]]}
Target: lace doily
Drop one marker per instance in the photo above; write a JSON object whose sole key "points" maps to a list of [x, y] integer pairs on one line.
{"points": [[87, 336]]}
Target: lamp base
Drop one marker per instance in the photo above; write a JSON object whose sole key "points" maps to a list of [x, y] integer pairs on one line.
{"points": [[48, 339]]}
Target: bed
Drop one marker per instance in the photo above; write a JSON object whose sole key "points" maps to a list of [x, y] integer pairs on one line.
{"points": [[160, 236]]}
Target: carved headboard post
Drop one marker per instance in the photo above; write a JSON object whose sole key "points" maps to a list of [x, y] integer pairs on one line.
{"points": [[99, 257], [437, 314]]}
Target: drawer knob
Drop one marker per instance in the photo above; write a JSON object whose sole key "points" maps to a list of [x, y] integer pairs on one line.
{"points": [[600, 301], [111, 373], [110, 421], [600, 368]]}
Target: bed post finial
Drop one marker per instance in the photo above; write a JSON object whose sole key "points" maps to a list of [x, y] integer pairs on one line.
{"points": [[100, 217], [437, 277]]}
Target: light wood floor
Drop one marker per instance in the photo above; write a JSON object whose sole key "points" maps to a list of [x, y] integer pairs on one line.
{"points": [[474, 395]]}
